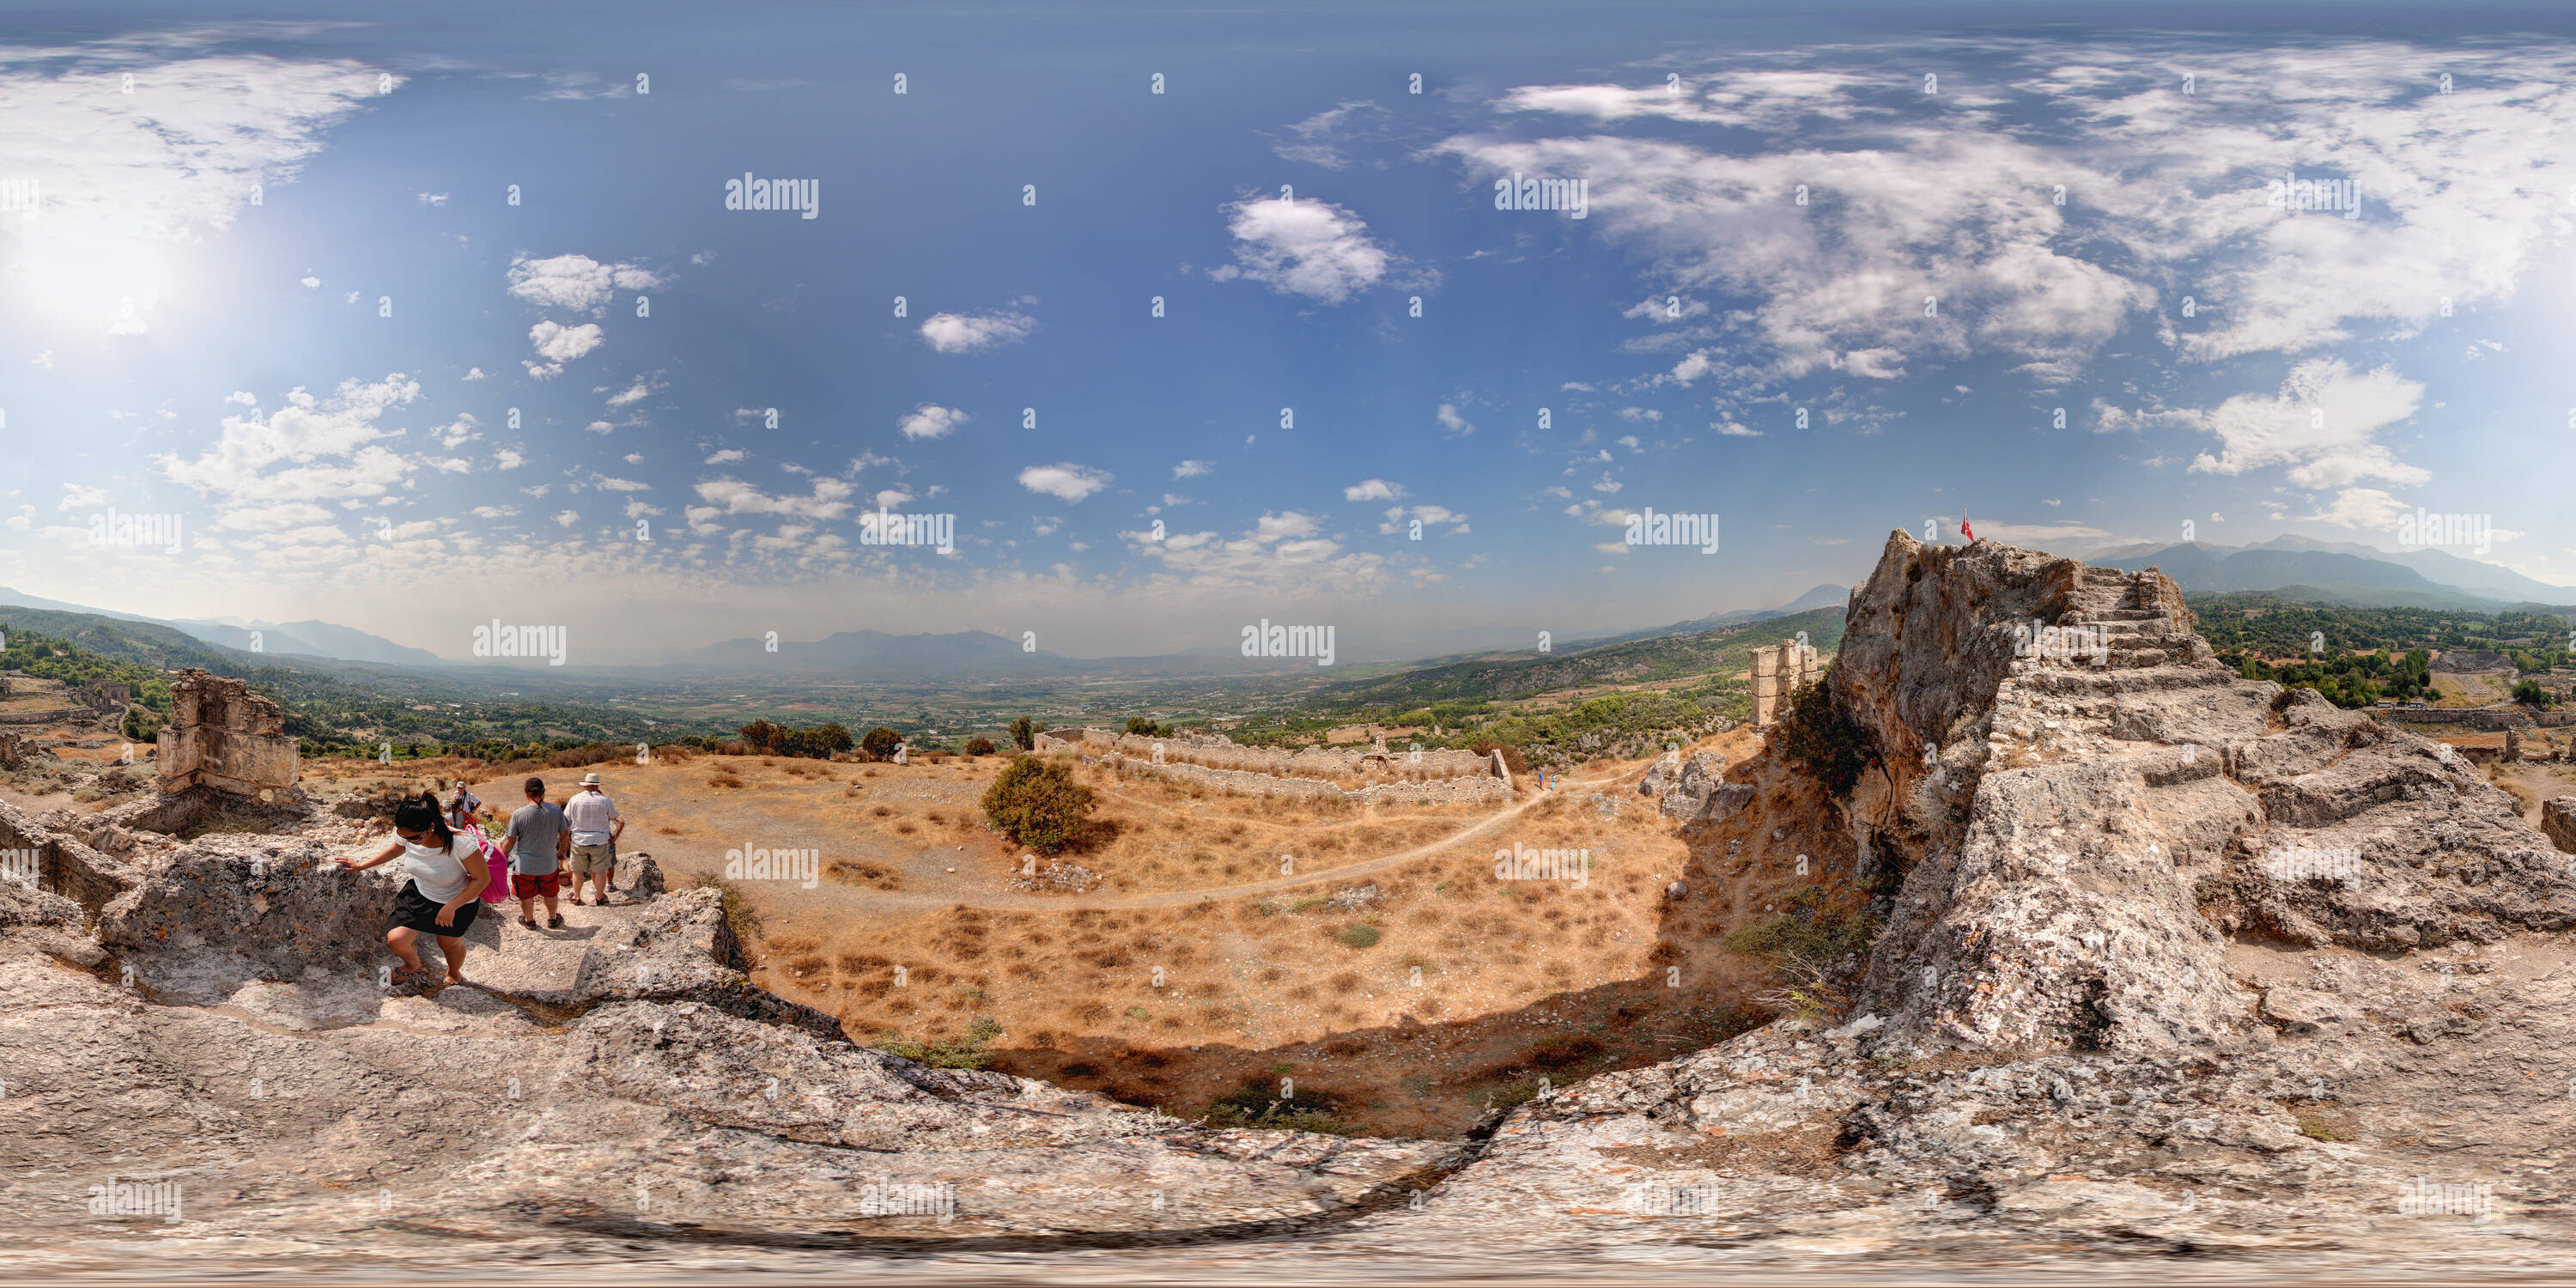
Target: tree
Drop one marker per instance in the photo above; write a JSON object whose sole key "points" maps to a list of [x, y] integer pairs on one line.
{"points": [[2529, 691], [1024, 734], [1143, 728], [760, 736], [1038, 804], [880, 742], [979, 746]]}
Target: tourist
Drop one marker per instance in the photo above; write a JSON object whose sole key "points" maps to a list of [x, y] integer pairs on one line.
{"points": [[538, 842], [448, 875], [461, 810], [596, 825]]}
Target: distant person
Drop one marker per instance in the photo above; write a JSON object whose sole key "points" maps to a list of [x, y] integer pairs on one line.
{"points": [[596, 825], [461, 810], [538, 842], [445, 892]]}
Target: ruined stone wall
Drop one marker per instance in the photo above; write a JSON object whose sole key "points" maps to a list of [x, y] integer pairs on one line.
{"points": [[63, 865], [1218, 752], [223, 736], [103, 695], [1434, 791]]}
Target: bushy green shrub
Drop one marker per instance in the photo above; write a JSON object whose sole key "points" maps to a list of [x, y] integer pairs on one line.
{"points": [[1818, 738], [1038, 804], [967, 1052]]}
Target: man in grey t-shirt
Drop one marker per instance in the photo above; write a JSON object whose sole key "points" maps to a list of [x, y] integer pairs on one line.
{"points": [[537, 843]]}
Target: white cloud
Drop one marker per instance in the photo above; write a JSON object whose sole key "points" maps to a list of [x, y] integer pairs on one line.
{"points": [[1450, 421], [566, 518], [1372, 490], [893, 497], [309, 282], [2323, 425], [726, 457], [930, 420], [333, 448], [632, 394], [1192, 469], [829, 499], [558, 344], [1064, 480], [245, 399], [619, 485], [474, 373], [575, 282], [1303, 247], [2364, 508], [972, 332], [508, 458], [1321, 137], [599, 427], [1953, 198], [433, 199], [77, 496]]}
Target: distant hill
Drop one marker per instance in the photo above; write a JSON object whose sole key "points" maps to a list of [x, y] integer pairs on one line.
{"points": [[2356, 575], [1717, 651], [307, 638]]}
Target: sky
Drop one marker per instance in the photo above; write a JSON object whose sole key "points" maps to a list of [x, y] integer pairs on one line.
{"points": [[1178, 319]]}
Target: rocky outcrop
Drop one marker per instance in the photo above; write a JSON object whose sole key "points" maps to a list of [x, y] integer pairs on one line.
{"points": [[2558, 822], [1691, 791]]}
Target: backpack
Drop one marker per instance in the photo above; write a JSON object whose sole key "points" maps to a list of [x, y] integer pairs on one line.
{"points": [[499, 889]]}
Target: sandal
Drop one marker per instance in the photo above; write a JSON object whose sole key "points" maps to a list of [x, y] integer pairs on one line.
{"points": [[555, 922], [529, 922]]}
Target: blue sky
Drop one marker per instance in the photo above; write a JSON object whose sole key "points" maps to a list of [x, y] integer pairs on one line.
{"points": [[168, 345]]}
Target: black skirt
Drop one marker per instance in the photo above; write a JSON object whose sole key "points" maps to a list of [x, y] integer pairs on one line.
{"points": [[416, 911]]}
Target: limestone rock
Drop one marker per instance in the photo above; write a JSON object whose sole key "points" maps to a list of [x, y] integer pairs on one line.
{"points": [[2558, 822]]}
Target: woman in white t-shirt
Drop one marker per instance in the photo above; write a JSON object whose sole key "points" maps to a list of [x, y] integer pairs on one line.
{"points": [[445, 891]]}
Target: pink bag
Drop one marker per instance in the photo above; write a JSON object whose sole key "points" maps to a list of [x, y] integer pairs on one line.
{"points": [[499, 890]]}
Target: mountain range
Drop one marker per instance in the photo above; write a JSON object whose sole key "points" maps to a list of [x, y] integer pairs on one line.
{"points": [[2338, 572]]}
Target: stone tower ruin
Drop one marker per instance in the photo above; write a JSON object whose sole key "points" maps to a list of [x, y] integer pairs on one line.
{"points": [[1778, 673], [223, 736]]}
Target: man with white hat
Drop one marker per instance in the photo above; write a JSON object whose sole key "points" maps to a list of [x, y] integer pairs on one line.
{"points": [[596, 825]]}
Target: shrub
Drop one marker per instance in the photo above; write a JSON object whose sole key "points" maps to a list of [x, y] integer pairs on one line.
{"points": [[1812, 953], [1024, 733], [1143, 728], [979, 746], [1038, 804], [1817, 737], [881, 742], [1361, 935], [2529, 691], [1511, 756], [967, 1052]]}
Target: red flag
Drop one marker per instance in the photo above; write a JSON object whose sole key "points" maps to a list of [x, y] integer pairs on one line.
{"points": [[1964, 530]]}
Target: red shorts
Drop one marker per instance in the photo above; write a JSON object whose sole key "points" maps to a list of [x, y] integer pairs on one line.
{"points": [[527, 887]]}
